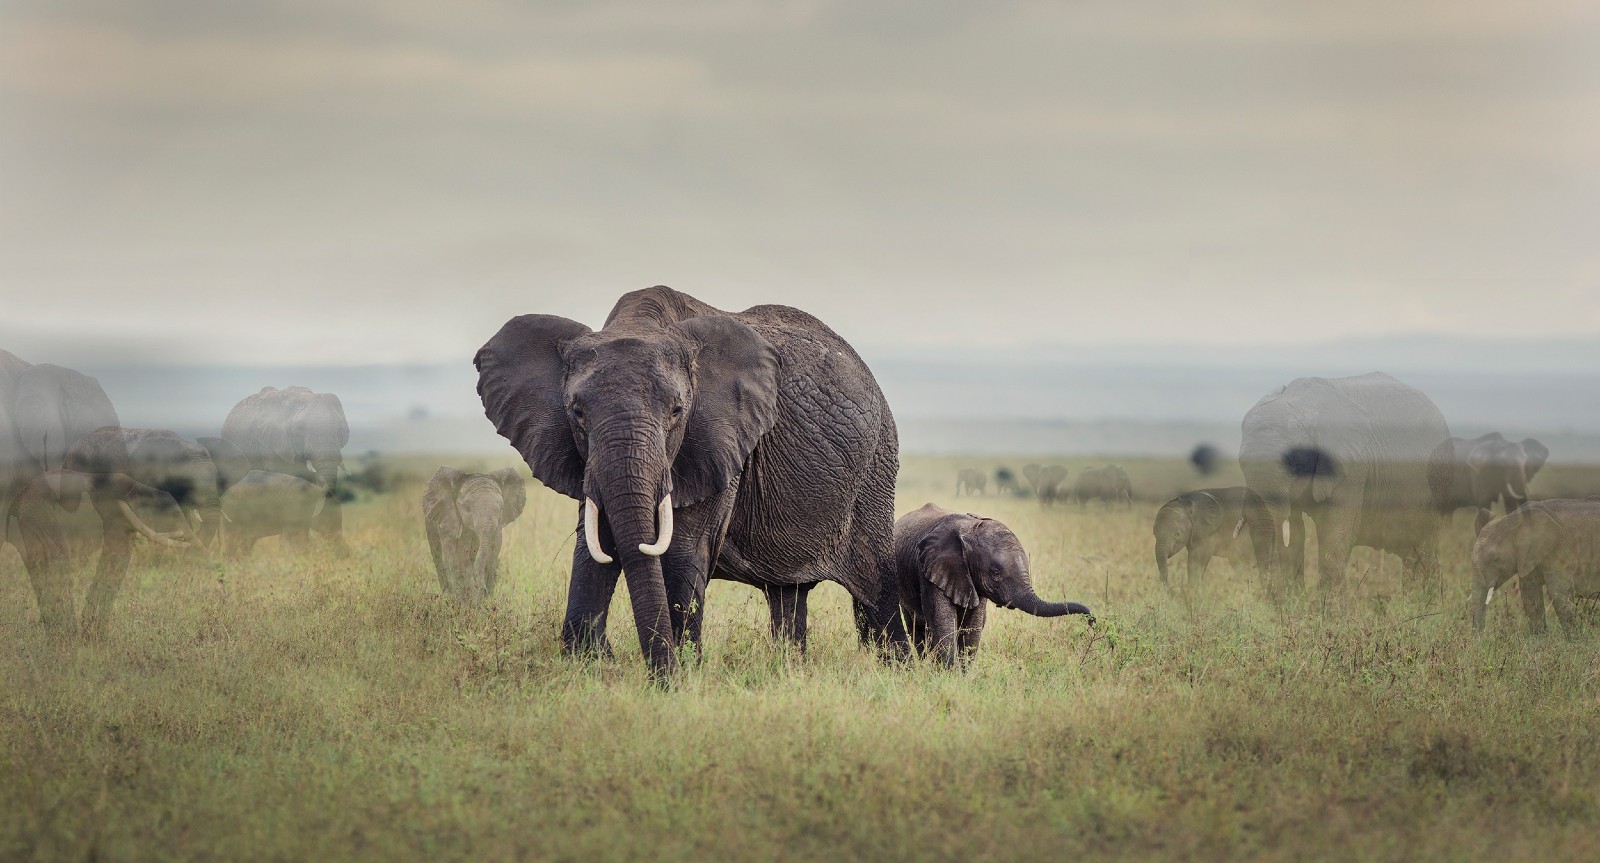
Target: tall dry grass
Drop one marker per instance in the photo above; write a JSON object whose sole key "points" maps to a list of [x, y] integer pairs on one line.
{"points": [[293, 708]]}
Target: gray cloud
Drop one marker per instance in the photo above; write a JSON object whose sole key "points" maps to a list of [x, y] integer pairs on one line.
{"points": [[381, 181]]}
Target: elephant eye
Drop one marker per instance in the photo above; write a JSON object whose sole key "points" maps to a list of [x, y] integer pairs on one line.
{"points": [[677, 411]]}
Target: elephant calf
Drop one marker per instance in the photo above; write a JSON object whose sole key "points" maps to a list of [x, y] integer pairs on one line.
{"points": [[464, 513], [949, 565], [1209, 523], [970, 480], [1109, 483], [264, 504], [1552, 544]]}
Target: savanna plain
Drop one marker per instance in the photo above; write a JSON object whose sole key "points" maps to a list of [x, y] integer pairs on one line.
{"points": [[292, 708]]}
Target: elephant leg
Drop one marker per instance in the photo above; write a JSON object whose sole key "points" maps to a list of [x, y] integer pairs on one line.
{"points": [[940, 614], [1532, 587], [1334, 543], [1560, 580], [971, 632], [329, 524], [589, 592], [44, 556], [1198, 557], [787, 603], [115, 549]]}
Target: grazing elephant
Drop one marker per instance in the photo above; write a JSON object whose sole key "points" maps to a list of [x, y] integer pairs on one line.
{"points": [[1549, 544], [1109, 483], [972, 480], [1046, 481], [1362, 457], [264, 504], [300, 433], [950, 565], [1490, 468], [751, 446], [1005, 482], [44, 410], [465, 513], [1209, 523]]}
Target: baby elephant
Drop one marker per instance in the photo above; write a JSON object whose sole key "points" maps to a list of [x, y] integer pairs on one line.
{"points": [[464, 514], [1209, 523], [265, 503], [1109, 483], [949, 564], [1552, 544]]}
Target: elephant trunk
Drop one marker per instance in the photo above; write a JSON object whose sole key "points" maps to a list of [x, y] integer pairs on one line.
{"points": [[1163, 554], [629, 471], [485, 561], [327, 469], [1517, 483], [1025, 600]]}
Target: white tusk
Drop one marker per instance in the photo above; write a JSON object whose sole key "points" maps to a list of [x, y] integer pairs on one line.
{"points": [[1488, 596], [1285, 533], [591, 531], [140, 526], [1513, 492], [664, 534], [1238, 527]]}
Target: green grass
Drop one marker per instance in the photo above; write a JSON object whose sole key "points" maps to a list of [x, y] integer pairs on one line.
{"points": [[291, 709]]}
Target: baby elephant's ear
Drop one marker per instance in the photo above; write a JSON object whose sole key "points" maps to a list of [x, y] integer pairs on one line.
{"points": [[513, 492], [439, 501], [943, 560]]}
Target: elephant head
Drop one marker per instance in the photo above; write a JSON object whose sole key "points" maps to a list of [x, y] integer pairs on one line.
{"points": [[318, 431], [465, 513], [971, 559], [158, 459], [1498, 466], [1181, 519], [633, 422]]}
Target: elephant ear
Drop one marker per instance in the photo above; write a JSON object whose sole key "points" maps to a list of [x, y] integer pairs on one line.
{"points": [[1483, 517], [942, 559], [1538, 454], [521, 374], [513, 493], [1206, 514], [1031, 473], [1054, 475], [439, 512], [735, 403], [231, 462]]}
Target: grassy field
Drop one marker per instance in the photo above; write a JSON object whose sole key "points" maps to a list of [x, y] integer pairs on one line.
{"points": [[294, 709]]}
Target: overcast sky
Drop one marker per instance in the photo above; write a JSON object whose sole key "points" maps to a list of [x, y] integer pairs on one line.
{"points": [[388, 180]]}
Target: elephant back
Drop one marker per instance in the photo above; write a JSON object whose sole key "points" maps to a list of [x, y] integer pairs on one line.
{"points": [[268, 426]]}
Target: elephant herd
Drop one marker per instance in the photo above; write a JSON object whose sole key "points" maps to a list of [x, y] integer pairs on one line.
{"points": [[271, 471], [1369, 461], [1109, 484], [757, 447]]}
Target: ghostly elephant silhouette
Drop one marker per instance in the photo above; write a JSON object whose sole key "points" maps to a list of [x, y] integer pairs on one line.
{"points": [[264, 504], [1548, 545], [297, 432], [971, 480], [465, 514], [1489, 468], [1045, 480]]}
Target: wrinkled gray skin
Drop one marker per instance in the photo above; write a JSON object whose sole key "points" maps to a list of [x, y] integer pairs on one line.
{"points": [[1361, 457], [971, 480], [1046, 481], [1490, 468], [464, 514], [298, 432], [1109, 483], [766, 428], [1208, 523], [950, 565], [264, 504], [44, 410], [1549, 545]]}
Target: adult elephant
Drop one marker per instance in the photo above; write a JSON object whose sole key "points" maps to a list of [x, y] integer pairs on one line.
{"points": [[751, 446], [1361, 456], [1046, 480], [297, 432], [1489, 468], [1109, 484], [194, 475]]}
